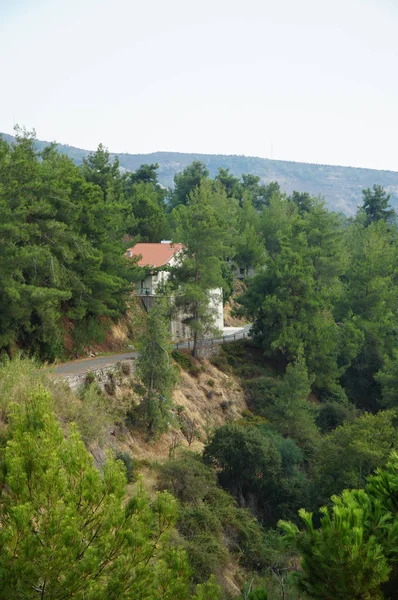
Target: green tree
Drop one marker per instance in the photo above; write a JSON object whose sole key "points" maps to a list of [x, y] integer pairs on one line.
{"points": [[204, 226], [355, 551], [387, 377], [58, 258], [186, 182], [353, 451], [249, 245], [98, 169], [371, 297], [289, 408], [231, 184], [293, 300], [259, 194], [376, 205], [66, 530], [156, 371], [303, 201], [149, 222], [249, 466]]}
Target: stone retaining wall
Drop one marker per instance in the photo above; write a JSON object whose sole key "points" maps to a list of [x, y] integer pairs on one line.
{"points": [[101, 375]]}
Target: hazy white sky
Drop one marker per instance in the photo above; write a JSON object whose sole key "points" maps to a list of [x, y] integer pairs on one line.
{"points": [[314, 79]]}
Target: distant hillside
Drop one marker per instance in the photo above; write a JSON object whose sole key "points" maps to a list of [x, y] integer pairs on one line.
{"points": [[340, 186]]}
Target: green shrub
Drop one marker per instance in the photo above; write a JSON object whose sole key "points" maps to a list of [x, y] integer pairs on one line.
{"points": [[261, 390], [89, 378], [110, 384], [126, 368], [195, 371], [88, 408], [186, 477], [331, 415], [221, 363], [225, 405], [88, 331], [187, 363], [129, 465], [183, 360], [211, 382], [334, 393]]}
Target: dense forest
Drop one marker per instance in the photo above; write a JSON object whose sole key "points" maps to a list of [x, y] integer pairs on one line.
{"points": [[300, 493], [340, 186]]}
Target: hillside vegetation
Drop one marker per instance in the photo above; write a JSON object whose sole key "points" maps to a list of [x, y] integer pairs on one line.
{"points": [[340, 186], [269, 472]]}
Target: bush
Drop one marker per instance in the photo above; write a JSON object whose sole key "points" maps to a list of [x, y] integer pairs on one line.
{"points": [[211, 524], [211, 382], [89, 378], [110, 385], [89, 408], [88, 331], [331, 415], [186, 477], [126, 368], [195, 371], [221, 363], [187, 363], [183, 360], [189, 428], [262, 391], [334, 393], [225, 405], [128, 462]]}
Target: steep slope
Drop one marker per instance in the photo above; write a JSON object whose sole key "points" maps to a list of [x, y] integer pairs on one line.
{"points": [[340, 186]]}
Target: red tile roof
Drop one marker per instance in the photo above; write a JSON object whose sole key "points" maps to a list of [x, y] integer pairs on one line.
{"points": [[154, 255]]}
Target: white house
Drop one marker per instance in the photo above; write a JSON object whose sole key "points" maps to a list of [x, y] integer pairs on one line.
{"points": [[166, 254]]}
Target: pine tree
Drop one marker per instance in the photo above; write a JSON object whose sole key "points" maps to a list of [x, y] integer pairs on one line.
{"points": [[205, 227], [376, 205], [355, 550], [69, 531], [156, 371]]}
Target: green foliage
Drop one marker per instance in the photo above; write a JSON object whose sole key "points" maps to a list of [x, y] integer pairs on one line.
{"points": [[90, 409], [371, 296], [75, 533], [213, 529], [258, 594], [156, 371], [376, 205], [260, 468], [128, 462], [305, 177], [60, 251], [331, 415], [205, 226], [350, 453], [186, 362], [292, 299], [387, 377], [146, 201], [355, 549], [187, 181]]}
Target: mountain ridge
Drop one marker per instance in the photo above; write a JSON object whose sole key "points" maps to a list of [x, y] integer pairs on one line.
{"points": [[341, 186]]}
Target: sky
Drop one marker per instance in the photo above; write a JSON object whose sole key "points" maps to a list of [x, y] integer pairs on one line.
{"points": [[302, 80]]}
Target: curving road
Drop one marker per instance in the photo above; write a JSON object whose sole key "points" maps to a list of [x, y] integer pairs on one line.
{"points": [[84, 365]]}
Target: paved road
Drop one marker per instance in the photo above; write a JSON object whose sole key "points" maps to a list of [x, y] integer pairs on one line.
{"points": [[76, 367]]}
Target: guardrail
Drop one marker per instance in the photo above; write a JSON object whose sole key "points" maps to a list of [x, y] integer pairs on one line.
{"points": [[240, 335]]}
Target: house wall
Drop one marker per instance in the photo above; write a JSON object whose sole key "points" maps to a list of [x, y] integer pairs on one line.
{"points": [[149, 285], [178, 330], [216, 303]]}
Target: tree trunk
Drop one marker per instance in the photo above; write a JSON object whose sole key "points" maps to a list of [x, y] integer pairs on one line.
{"points": [[195, 345]]}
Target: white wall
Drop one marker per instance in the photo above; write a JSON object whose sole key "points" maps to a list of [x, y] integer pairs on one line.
{"points": [[179, 331]]}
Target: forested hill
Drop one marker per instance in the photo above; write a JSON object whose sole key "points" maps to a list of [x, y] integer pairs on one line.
{"points": [[341, 186]]}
